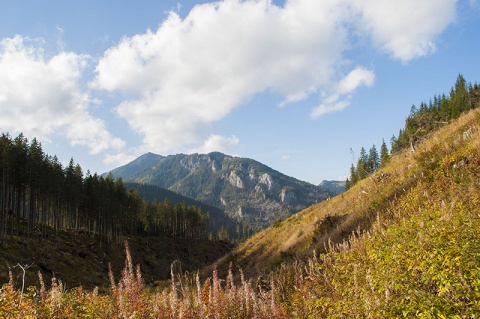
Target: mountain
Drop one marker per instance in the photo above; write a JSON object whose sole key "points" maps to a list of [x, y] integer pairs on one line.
{"points": [[146, 160], [247, 190], [334, 187]]}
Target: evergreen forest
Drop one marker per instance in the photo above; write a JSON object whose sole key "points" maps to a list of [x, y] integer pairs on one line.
{"points": [[420, 123], [37, 193]]}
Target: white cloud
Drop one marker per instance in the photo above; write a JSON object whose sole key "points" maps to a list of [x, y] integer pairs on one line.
{"points": [[342, 93], [405, 29], [218, 143], [42, 96], [323, 109], [191, 72], [118, 159], [357, 77]]}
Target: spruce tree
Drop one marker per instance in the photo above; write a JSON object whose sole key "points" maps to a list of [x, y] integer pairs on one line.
{"points": [[353, 176], [384, 155], [373, 160], [362, 165]]}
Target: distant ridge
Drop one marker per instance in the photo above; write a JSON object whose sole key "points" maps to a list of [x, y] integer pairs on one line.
{"points": [[334, 187]]}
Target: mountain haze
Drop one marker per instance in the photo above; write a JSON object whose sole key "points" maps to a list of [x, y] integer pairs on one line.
{"points": [[246, 189]]}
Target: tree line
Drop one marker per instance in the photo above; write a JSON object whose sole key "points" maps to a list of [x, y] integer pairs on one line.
{"points": [[419, 124], [367, 164], [39, 197], [220, 225]]}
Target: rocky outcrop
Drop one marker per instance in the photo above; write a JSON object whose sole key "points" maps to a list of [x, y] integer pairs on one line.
{"points": [[288, 197], [235, 180]]}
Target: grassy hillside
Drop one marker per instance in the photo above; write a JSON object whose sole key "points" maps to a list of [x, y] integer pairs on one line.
{"points": [[448, 156], [402, 243]]}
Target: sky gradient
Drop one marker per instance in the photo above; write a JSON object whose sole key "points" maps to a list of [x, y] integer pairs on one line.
{"points": [[294, 84]]}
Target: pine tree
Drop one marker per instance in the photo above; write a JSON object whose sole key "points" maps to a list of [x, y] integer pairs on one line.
{"points": [[5, 164], [459, 97]]}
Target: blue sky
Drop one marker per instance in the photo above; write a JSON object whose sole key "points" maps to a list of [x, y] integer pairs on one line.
{"points": [[294, 84]]}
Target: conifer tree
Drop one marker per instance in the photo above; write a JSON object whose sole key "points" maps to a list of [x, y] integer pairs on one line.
{"points": [[362, 165], [35, 160], [459, 97], [384, 155], [373, 160], [353, 176]]}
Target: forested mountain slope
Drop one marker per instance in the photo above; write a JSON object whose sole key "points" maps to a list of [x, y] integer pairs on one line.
{"points": [[246, 190], [219, 223]]}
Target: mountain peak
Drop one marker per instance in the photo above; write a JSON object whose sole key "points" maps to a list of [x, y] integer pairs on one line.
{"points": [[146, 160], [246, 189]]}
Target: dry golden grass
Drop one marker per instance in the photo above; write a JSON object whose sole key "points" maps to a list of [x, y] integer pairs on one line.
{"points": [[369, 200]]}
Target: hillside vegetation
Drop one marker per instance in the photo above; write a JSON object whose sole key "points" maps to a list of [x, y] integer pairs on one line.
{"points": [[413, 245], [401, 243]]}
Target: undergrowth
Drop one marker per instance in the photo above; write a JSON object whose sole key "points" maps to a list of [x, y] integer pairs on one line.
{"points": [[187, 297]]}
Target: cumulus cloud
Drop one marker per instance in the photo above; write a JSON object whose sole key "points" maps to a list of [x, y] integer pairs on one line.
{"points": [[193, 71], [41, 96], [405, 29], [342, 94], [218, 143]]}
